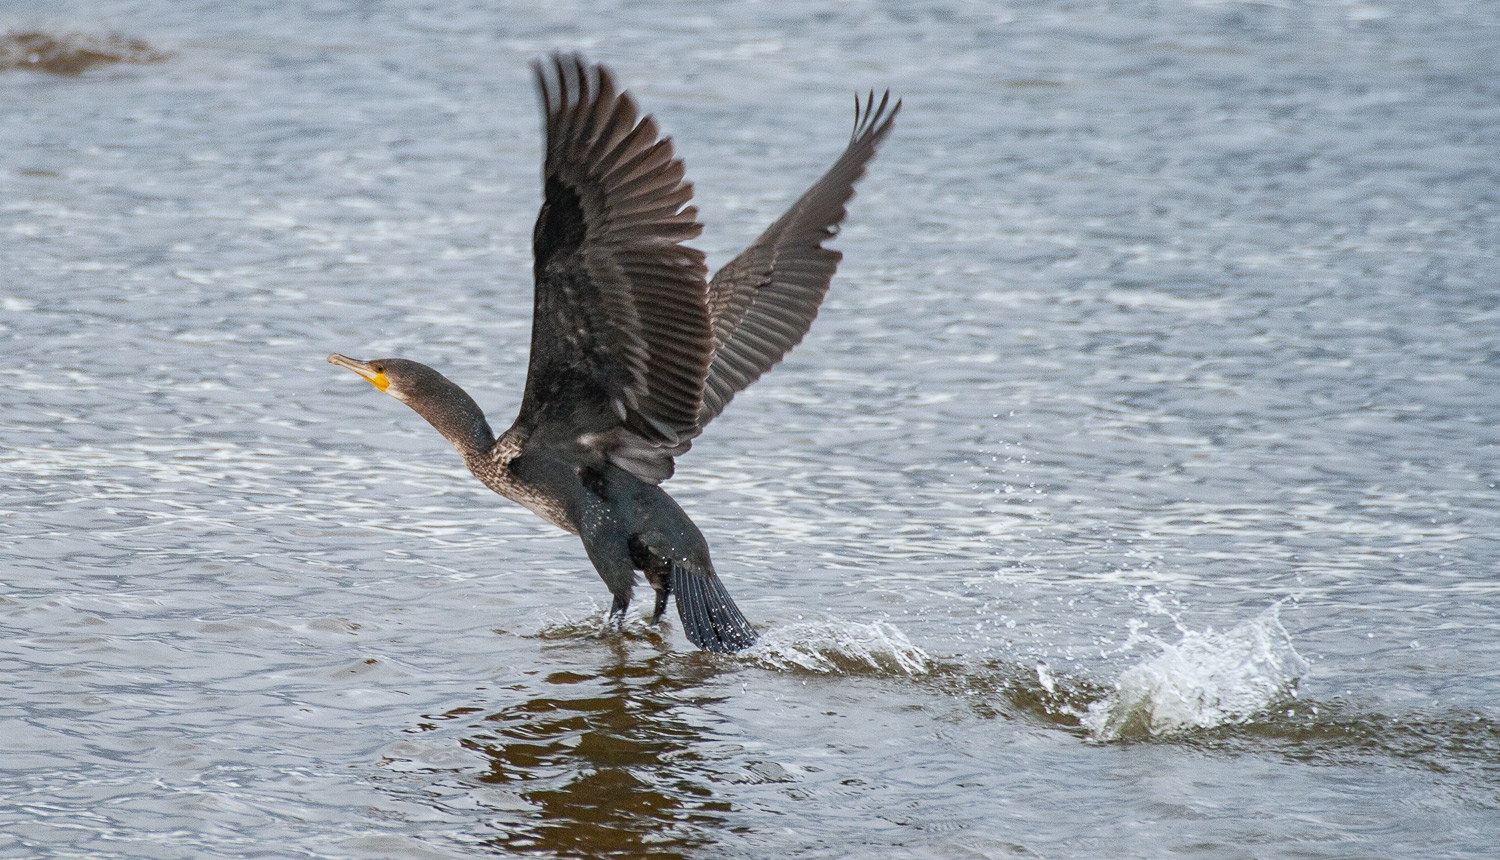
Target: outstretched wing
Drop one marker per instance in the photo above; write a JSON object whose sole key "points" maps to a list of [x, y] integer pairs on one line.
{"points": [[763, 301], [620, 338]]}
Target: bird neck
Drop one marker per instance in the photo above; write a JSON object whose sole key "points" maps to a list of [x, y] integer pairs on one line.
{"points": [[453, 413]]}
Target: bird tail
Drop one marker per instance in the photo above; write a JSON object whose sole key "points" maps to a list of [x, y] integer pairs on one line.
{"points": [[709, 617]]}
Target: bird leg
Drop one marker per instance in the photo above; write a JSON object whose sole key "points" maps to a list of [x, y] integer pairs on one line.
{"points": [[610, 553], [617, 611], [661, 603], [659, 574], [663, 592]]}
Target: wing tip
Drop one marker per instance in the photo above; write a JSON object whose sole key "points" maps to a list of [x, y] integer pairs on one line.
{"points": [[557, 72], [873, 122]]}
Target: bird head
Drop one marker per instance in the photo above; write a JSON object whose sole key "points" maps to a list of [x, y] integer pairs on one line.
{"points": [[446, 406], [395, 376]]}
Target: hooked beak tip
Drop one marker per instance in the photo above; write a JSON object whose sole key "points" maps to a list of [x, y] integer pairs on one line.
{"points": [[375, 377], [360, 367]]}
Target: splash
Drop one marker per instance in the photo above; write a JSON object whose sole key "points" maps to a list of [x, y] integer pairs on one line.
{"points": [[1208, 679], [596, 624], [826, 647], [841, 647]]}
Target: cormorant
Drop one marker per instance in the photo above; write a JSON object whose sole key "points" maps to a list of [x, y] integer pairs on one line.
{"points": [[633, 349]]}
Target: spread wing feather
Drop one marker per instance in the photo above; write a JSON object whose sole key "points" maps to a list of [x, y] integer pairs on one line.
{"points": [[620, 340], [762, 302]]}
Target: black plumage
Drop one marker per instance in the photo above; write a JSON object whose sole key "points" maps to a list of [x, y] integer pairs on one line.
{"points": [[633, 350]]}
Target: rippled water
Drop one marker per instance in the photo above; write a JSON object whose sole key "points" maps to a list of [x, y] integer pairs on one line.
{"points": [[1134, 496]]}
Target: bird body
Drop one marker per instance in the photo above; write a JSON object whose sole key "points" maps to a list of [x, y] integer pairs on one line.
{"points": [[633, 349]]}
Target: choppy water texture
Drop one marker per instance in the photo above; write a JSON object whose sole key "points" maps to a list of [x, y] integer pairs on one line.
{"points": [[1134, 496]]}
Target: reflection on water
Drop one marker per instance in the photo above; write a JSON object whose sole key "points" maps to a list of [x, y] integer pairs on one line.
{"points": [[609, 761], [71, 53]]}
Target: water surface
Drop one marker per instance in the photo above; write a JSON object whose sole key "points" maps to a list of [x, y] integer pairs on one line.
{"points": [[1133, 496]]}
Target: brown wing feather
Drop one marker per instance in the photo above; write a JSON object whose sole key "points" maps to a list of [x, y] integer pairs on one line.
{"points": [[620, 335], [762, 302]]}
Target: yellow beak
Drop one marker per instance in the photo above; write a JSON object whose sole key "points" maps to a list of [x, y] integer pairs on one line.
{"points": [[375, 377]]}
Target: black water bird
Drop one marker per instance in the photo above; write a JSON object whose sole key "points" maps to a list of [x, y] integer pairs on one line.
{"points": [[633, 349]]}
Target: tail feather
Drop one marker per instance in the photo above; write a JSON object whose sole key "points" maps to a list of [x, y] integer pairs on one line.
{"points": [[709, 617]]}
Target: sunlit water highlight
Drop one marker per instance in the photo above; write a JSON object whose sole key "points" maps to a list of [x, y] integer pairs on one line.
{"points": [[1152, 316]]}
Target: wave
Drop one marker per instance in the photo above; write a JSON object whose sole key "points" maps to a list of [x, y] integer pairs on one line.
{"points": [[840, 647]]}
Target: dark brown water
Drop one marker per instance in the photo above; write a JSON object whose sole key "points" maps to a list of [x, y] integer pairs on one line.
{"points": [[70, 53], [1134, 495]]}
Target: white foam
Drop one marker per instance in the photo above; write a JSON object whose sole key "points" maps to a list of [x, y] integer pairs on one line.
{"points": [[833, 646], [1208, 679]]}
